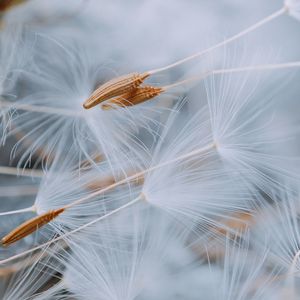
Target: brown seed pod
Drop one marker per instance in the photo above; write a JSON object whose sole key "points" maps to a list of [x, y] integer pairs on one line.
{"points": [[30, 226], [139, 95], [115, 87]]}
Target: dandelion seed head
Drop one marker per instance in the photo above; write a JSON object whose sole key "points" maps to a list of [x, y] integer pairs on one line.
{"points": [[126, 248], [192, 195], [278, 225], [61, 124]]}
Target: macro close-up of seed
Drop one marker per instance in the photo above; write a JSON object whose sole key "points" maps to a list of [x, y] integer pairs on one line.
{"points": [[149, 150]]}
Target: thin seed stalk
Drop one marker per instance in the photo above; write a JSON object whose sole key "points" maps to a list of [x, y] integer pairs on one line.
{"points": [[227, 41]]}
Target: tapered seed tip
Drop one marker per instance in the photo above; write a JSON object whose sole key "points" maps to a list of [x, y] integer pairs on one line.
{"points": [[59, 211], [85, 105], [144, 75], [4, 242]]}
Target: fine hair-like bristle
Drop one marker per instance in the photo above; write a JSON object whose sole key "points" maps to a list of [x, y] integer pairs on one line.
{"points": [[115, 87], [30, 226], [136, 169]]}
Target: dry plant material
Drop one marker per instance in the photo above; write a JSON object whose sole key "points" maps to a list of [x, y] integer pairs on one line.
{"points": [[30, 226], [115, 87], [137, 96], [8, 4]]}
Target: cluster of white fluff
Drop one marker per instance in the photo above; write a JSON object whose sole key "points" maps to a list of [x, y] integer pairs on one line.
{"points": [[191, 195]]}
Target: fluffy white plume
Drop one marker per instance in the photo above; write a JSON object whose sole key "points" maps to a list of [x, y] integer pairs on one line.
{"points": [[278, 225], [29, 282], [246, 274], [14, 55], [293, 7], [190, 195], [187, 177], [51, 117], [130, 256], [241, 120]]}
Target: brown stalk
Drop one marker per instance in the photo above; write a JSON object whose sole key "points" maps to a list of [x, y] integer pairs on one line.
{"points": [[139, 95], [115, 87], [30, 226]]}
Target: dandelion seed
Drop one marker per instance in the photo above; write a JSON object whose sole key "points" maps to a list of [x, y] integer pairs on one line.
{"points": [[141, 241], [137, 96], [115, 87], [278, 225], [51, 115], [30, 226], [78, 229], [230, 139]]}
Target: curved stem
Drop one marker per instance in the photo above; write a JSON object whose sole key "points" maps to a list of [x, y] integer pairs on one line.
{"points": [[266, 67], [264, 21], [134, 201]]}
